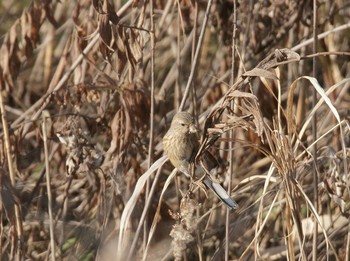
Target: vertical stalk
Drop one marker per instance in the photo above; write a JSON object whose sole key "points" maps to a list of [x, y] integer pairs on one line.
{"points": [[231, 134], [48, 186], [196, 56], [151, 135], [314, 133]]}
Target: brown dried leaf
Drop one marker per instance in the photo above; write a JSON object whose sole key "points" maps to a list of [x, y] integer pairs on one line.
{"points": [[258, 72], [135, 3], [49, 13], [239, 94], [105, 29], [9, 61], [121, 58], [106, 8], [34, 17], [137, 101], [135, 47], [121, 131]]}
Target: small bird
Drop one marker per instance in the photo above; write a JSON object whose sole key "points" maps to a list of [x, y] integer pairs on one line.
{"points": [[181, 145]]}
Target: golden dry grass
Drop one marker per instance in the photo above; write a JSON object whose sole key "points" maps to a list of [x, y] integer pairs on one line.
{"points": [[88, 89]]}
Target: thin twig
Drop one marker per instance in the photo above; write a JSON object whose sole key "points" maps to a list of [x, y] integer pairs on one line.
{"points": [[231, 133], [48, 187], [143, 216], [151, 135], [321, 36], [196, 56], [178, 82], [324, 54], [314, 132], [195, 113]]}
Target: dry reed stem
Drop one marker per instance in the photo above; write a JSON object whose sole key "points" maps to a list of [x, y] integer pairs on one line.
{"points": [[118, 78]]}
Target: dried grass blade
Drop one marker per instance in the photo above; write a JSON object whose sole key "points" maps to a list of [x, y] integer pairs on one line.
{"points": [[130, 205]]}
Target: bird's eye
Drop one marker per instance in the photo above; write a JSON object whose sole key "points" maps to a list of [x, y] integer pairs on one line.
{"points": [[183, 124]]}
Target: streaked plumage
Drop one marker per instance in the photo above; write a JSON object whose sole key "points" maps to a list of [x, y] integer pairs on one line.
{"points": [[181, 145]]}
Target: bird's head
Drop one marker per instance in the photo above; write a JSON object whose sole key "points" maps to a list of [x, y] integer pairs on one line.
{"points": [[183, 123]]}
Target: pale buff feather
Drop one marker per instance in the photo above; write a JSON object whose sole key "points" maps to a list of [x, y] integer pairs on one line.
{"points": [[181, 145]]}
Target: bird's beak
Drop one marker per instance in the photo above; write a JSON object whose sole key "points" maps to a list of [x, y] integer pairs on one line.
{"points": [[193, 129]]}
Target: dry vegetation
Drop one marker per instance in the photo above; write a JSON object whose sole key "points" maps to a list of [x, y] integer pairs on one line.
{"points": [[88, 89]]}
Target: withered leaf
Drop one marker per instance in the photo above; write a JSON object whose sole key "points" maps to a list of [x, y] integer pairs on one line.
{"points": [[258, 72], [49, 14], [135, 47], [106, 8], [105, 30], [34, 17]]}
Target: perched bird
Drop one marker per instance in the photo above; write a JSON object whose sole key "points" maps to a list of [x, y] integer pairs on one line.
{"points": [[181, 145]]}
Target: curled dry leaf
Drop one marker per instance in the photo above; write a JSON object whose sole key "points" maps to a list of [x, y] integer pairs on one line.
{"points": [[105, 30], [248, 112], [104, 7], [258, 72], [135, 47], [121, 58], [9, 61], [26, 32], [121, 132], [135, 104]]}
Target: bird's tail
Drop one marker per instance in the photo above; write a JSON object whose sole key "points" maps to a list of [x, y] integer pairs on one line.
{"points": [[221, 193]]}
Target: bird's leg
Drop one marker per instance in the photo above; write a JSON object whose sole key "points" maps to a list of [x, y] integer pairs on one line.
{"points": [[205, 170], [205, 165], [199, 182]]}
